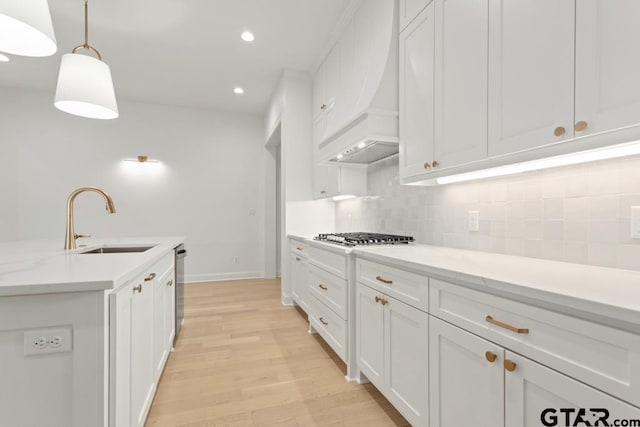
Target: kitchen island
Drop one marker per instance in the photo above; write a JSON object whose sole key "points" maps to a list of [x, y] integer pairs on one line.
{"points": [[84, 336]]}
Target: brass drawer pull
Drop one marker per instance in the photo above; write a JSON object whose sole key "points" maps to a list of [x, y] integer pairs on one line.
{"points": [[323, 287], [137, 289], [299, 248], [427, 165], [323, 107], [323, 192], [170, 283], [491, 356], [150, 277], [386, 282], [435, 164], [510, 365], [323, 322], [506, 326], [378, 299], [581, 126], [384, 301], [297, 258], [559, 131]]}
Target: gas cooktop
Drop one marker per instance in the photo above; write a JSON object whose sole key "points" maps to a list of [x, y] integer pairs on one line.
{"points": [[355, 239]]}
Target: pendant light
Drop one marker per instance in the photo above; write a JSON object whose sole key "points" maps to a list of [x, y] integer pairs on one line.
{"points": [[26, 28], [85, 87]]}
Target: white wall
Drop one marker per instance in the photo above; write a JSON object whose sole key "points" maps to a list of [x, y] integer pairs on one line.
{"points": [[206, 187]]}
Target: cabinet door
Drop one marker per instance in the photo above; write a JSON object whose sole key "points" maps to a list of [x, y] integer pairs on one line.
{"points": [[370, 334], [534, 393], [607, 64], [120, 312], [299, 281], [406, 350], [409, 9], [461, 52], [416, 94], [170, 312], [466, 387], [333, 83], [159, 325], [319, 91], [326, 181], [531, 73], [142, 366]]}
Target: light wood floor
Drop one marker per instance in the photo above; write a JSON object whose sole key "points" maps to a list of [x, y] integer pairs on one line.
{"points": [[243, 359]]}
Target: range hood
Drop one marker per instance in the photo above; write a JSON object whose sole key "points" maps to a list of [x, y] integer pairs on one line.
{"points": [[369, 131]]}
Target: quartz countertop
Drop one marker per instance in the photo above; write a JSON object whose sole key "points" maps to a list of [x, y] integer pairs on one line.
{"points": [[31, 267], [593, 291]]}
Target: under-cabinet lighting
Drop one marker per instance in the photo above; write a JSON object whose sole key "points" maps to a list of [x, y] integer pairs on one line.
{"points": [[4, 58], [343, 197], [613, 152], [362, 145], [339, 156]]}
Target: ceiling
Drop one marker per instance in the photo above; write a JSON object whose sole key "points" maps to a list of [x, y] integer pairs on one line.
{"points": [[189, 52]]}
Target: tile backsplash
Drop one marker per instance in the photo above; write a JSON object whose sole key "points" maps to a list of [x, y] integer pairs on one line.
{"points": [[576, 214]]}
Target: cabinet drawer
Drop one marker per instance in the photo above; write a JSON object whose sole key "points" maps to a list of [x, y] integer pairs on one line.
{"points": [[329, 325], [161, 267], [298, 248], [330, 261], [330, 289], [410, 288], [599, 355]]}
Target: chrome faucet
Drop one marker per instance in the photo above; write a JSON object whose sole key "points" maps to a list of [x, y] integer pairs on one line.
{"points": [[70, 240]]}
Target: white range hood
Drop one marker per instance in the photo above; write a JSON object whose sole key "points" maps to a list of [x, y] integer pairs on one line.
{"points": [[369, 131]]}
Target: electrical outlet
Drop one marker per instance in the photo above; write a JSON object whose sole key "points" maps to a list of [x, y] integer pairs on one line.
{"points": [[45, 341], [474, 221], [635, 222]]}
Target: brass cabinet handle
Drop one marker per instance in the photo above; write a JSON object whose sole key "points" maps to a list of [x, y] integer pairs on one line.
{"points": [[435, 164], [170, 283], [81, 236], [491, 356], [137, 289], [323, 287], [323, 107], [383, 301], [506, 326], [299, 248], [323, 322], [323, 192], [427, 165], [581, 126], [510, 365], [559, 131], [378, 299], [150, 277], [386, 282], [297, 259]]}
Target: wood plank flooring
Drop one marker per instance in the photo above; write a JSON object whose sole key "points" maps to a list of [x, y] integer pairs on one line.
{"points": [[243, 359]]}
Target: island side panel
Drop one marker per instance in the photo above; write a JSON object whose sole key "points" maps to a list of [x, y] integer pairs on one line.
{"points": [[64, 389]]}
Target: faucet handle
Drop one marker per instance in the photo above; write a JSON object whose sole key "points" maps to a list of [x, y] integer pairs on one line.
{"points": [[81, 236]]}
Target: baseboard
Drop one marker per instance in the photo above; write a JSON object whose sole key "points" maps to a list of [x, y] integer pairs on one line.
{"points": [[219, 277]]}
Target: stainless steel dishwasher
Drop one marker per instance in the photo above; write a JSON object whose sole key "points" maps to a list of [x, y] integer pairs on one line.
{"points": [[181, 254]]}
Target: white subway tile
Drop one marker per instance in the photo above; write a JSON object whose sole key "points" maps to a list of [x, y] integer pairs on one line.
{"points": [[628, 257], [553, 209], [603, 254], [576, 252], [576, 209], [533, 230], [577, 231], [553, 230], [603, 231], [603, 207]]}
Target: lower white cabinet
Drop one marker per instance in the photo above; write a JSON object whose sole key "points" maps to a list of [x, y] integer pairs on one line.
{"points": [[392, 351], [475, 382], [141, 335], [299, 280]]}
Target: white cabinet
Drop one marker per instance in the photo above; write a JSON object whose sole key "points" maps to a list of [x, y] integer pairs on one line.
{"points": [[607, 68], [416, 130], [409, 9], [331, 180], [465, 371], [300, 280], [461, 89], [141, 324], [531, 74], [392, 351]]}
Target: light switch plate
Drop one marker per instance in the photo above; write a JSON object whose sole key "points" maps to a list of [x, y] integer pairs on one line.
{"points": [[474, 221], [635, 222]]}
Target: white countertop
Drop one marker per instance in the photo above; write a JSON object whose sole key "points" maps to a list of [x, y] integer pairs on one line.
{"points": [[599, 291], [41, 266]]}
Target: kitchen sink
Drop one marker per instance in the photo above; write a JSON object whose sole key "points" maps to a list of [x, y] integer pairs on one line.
{"points": [[118, 250]]}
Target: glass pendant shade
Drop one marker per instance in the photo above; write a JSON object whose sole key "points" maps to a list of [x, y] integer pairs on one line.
{"points": [[26, 28], [85, 88]]}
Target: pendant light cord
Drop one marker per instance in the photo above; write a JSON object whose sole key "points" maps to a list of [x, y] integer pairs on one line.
{"points": [[86, 44]]}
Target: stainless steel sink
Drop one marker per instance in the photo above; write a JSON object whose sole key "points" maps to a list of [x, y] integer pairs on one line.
{"points": [[118, 250]]}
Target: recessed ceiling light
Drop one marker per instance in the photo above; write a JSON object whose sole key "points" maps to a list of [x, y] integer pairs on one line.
{"points": [[247, 36], [362, 145], [238, 91], [4, 58]]}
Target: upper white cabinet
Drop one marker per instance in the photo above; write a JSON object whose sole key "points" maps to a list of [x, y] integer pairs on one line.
{"points": [[531, 74], [339, 180], [409, 9], [416, 94], [607, 66]]}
